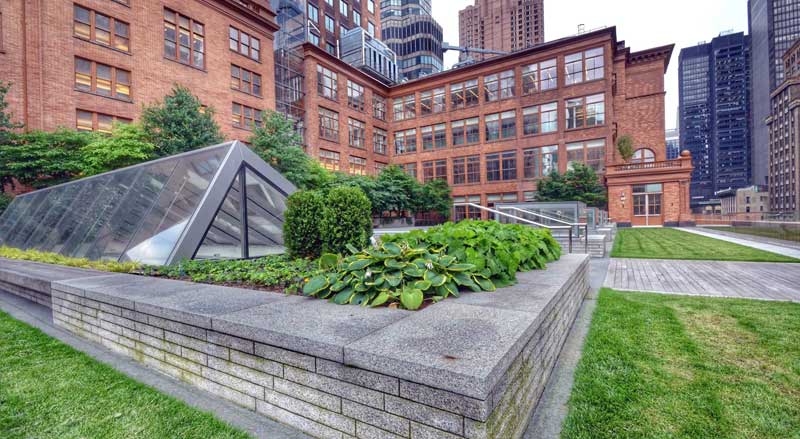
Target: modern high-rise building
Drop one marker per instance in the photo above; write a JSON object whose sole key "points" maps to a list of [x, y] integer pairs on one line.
{"points": [[322, 23], [774, 25], [714, 114], [673, 139], [503, 25], [408, 28]]}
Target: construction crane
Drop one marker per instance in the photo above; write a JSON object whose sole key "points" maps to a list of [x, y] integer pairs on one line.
{"points": [[466, 51]]}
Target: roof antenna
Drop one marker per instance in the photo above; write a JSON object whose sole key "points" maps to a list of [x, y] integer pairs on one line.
{"points": [[581, 28]]}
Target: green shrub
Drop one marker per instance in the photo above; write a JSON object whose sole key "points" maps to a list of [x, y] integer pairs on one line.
{"points": [[346, 220], [55, 258], [274, 272], [301, 234], [497, 250], [393, 273], [5, 200]]}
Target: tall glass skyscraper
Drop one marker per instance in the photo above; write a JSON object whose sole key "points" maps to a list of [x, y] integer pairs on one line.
{"points": [[774, 27], [408, 28], [714, 114]]}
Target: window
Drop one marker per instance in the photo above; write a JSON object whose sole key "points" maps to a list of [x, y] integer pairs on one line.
{"points": [[355, 95], [313, 13], [379, 140], [356, 18], [358, 165], [463, 211], [329, 2], [102, 29], [591, 152], [246, 117], [313, 38], [326, 83], [465, 131], [378, 106], [464, 94], [356, 133], [539, 162], [371, 6], [410, 169], [343, 8], [404, 108], [102, 79], [586, 112], [434, 170], [501, 125], [501, 166], [584, 66], [508, 197], [499, 86], [184, 39], [405, 141], [330, 24], [643, 155], [370, 29], [467, 170], [244, 43], [328, 124], [245, 81], [329, 159], [540, 119], [539, 77], [434, 137], [91, 121], [647, 199], [331, 48], [432, 101], [379, 167]]}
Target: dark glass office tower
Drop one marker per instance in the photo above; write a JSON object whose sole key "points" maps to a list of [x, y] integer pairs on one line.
{"points": [[774, 27], [715, 114], [408, 28]]}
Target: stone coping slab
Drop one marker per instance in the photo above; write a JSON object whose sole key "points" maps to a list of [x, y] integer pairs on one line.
{"points": [[461, 345], [38, 277]]}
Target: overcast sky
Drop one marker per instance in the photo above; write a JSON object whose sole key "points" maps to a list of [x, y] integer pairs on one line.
{"points": [[641, 23]]}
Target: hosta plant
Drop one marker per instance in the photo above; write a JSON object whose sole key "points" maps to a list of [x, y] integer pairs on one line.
{"points": [[498, 251], [393, 273]]}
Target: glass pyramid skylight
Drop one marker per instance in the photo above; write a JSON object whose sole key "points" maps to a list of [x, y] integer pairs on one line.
{"points": [[217, 202]]}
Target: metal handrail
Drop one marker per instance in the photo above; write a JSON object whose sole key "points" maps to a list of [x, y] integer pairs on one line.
{"points": [[534, 223], [584, 225]]}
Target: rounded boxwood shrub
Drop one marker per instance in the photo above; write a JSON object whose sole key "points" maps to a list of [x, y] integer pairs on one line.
{"points": [[347, 219], [301, 227]]}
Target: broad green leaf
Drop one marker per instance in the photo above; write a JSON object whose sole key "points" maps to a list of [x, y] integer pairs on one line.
{"points": [[435, 279], [422, 284], [343, 297], [315, 285], [461, 267], [485, 284], [411, 298], [380, 299], [328, 261], [359, 264], [392, 248]]}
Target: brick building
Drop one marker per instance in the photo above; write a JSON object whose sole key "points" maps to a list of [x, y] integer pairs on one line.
{"points": [[86, 63], [492, 129], [504, 25]]}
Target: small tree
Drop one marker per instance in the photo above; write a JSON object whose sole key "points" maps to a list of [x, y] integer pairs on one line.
{"points": [[126, 146], [346, 220], [396, 190], [180, 123], [6, 124], [434, 196], [580, 183], [625, 147], [301, 229], [42, 159], [278, 144]]}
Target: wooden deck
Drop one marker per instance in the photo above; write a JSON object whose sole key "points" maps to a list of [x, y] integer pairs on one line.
{"points": [[753, 280]]}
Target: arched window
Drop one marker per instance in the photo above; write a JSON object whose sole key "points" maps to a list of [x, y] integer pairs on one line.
{"points": [[643, 155]]}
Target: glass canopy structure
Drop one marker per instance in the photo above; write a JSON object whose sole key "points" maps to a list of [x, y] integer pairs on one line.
{"points": [[222, 201]]}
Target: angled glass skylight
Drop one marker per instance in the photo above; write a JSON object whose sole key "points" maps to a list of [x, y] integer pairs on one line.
{"points": [[217, 202]]}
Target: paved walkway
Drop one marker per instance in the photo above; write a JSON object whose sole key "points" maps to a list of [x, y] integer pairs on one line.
{"points": [[752, 280], [748, 242]]}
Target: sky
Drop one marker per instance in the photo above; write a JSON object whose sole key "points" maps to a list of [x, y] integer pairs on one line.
{"points": [[641, 23]]}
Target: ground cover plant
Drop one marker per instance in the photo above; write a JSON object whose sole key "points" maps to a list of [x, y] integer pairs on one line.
{"points": [[783, 232], [55, 258], [667, 243], [50, 390], [411, 268], [665, 366]]}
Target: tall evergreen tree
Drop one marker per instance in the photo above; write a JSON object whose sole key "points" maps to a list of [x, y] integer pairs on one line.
{"points": [[180, 123]]}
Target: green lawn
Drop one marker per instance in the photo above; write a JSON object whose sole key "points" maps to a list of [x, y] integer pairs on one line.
{"points": [[784, 233], [667, 243], [49, 390], [662, 366]]}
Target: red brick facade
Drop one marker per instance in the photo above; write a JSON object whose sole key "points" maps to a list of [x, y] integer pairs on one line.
{"points": [[629, 85], [40, 43]]}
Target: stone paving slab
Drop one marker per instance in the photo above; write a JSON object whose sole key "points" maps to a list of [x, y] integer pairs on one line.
{"points": [[752, 280]]}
